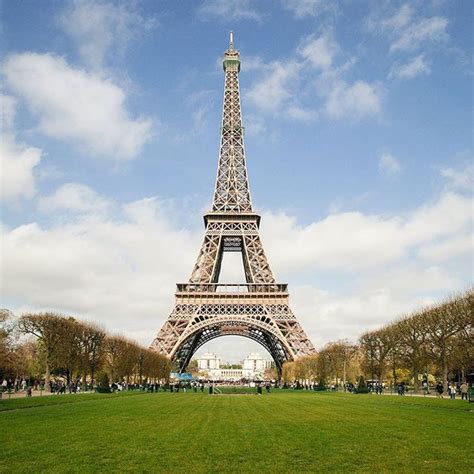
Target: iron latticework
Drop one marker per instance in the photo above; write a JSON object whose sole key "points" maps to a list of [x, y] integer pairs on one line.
{"points": [[206, 309]]}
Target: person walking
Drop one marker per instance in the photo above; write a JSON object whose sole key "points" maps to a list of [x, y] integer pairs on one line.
{"points": [[452, 391], [439, 390], [464, 389]]}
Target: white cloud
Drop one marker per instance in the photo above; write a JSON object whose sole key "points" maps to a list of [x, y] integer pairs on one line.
{"points": [[7, 112], [250, 63], [332, 315], [284, 87], [255, 125], [424, 31], [394, 23], [121, 271], [459, 179], [353, 241], [17, 163], [389, 165], [304, 8], [413, 68], [229, 10], [74, 105], [276, 87], [74, 198], [356, 100], [319, 52], [449, 248], [300, 113], [100, 28]]}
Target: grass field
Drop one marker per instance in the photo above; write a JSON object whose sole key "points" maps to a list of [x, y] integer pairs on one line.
{"points": [[196, 432]]}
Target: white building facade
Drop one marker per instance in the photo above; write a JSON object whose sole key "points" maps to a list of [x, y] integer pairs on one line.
{"points": [[253, 367]]}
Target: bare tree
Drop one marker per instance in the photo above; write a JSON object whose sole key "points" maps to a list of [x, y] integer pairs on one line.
{"points": [[49, 329], [92, 349], [443, 324]]}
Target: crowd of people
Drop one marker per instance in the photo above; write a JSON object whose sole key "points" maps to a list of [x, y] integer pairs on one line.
{"points": [[60, 387]]}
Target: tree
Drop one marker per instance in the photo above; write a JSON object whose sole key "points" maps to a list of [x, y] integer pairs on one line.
{"points": [[50, 330], [67, 358], [443, 324], [270, 373], [288, 372], [338, 354], [6, 342], [122, 358], [411, 344], [376, 347], [91, 350]]}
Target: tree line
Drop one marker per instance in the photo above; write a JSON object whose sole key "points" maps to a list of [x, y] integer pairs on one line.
{"points": [[74, 350], [434, 342]]}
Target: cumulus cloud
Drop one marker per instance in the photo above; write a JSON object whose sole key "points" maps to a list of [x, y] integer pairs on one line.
{"points": [[389, 165], [413, 68], [72, 104], [449, 248], [331, 315], [350, 241], [229, 10], [120, 272], [276, 87], [279, 84], [100, 28], [120, 268], [74, 198], [17, 163], [355, 100], [319, 52], [7, 112]]}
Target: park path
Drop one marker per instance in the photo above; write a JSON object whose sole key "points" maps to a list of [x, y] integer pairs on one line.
{"points": [[34, 394]]}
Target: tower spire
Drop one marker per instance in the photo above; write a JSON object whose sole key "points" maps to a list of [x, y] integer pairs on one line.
{"points": [[232, 189]]}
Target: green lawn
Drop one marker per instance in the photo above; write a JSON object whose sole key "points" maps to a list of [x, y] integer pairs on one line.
{"points": [[196, 432]]}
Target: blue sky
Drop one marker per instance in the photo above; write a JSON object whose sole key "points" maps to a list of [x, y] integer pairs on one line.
{"points": [[358, 123]]}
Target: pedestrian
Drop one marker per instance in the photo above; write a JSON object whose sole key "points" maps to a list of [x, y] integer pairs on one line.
{"points": [[439, 390], [464, 389], [452, 391]]}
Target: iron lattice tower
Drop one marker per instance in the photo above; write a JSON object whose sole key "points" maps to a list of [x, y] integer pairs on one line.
{"points": [[206, 309]]}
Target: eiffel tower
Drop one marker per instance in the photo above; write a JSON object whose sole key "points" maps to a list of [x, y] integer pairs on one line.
{"points": [[206, 309]]}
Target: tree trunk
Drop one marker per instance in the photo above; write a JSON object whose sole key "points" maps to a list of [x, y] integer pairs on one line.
{"points": [[445, 374], [47, 379], [394, 371], [416, 382]]}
